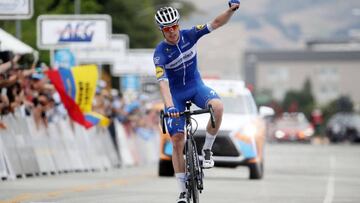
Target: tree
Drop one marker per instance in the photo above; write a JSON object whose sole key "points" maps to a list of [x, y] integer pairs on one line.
{"points": [[345, 104], [340, 104], [134, 18], [302, 100]]}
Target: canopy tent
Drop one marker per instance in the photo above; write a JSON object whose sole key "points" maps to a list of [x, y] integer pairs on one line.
{"points": [[11, 43]]}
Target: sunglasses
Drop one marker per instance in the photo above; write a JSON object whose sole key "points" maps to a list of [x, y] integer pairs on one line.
{"points": [[170, 28]]}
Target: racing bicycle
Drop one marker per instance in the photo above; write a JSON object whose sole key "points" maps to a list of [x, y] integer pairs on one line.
{"points": [[193, 171]]}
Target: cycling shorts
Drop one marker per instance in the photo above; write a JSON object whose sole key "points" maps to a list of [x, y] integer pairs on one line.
{"points": [[200, 95]]}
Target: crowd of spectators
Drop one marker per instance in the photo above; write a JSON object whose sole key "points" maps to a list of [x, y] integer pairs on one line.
{"points": [[26, 91]]}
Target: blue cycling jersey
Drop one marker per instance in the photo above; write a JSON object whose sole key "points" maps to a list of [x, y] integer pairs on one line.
{"points": [[178, 63]]}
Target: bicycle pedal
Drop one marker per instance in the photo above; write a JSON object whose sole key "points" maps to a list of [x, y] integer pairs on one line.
{"points": [[200, 186]]}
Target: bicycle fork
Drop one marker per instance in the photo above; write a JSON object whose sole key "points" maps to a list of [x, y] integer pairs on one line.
{"points": [[199, 171], [199, 174]]}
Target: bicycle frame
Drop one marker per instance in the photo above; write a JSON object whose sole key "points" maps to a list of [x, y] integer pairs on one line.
{"points": [[193, 170]]}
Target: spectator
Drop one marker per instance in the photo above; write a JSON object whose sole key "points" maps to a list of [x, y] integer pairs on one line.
{"points": [[118, 106], [41, 105], [7, 61], [317, 120], [4, 104]]}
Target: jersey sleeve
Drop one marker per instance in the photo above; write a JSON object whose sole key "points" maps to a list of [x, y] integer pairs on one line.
{"points": [[198, 31], [159, 62]]}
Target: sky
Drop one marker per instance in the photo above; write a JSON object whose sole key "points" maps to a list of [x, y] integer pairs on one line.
{"points": [[291, 22]]}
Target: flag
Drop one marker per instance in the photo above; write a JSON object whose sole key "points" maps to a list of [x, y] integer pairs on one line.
{"points": [[77, 88]]}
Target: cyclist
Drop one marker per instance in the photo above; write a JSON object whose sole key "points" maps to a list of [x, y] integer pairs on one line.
{"points": [[179, 80]]}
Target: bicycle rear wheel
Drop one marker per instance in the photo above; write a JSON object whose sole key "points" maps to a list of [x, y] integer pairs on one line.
{"points": [[192, 169]]}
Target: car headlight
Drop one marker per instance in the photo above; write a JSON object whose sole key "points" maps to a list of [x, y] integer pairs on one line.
{"points": [[249, 130], [279, 134], [308, 132]]}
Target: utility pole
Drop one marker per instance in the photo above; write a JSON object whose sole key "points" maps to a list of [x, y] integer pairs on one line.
{"points": [[77, 6], [18, 29]]}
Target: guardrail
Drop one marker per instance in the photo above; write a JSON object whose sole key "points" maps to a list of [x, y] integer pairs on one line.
{"points": [[65, 146]]}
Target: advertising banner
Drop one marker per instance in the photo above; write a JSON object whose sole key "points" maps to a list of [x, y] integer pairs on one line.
{"points": [[76, 88], [118, 46], [16, 9], [64, 58], [137, 61], [59, 31]]}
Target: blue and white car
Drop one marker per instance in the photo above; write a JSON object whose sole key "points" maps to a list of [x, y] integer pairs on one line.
{"points": [[241, 138]]}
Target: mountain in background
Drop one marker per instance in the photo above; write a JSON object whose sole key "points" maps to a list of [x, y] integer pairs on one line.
{"points": [[290, 22], [268, 24]]}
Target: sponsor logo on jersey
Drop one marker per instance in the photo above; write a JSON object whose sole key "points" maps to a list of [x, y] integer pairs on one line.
{"points": [[185, 45], [184, 58], [167, 50], [200, 27], [159, 72], [156, 60]]}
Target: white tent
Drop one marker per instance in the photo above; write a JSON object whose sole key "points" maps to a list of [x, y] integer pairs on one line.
{"points": [[11, 43]]}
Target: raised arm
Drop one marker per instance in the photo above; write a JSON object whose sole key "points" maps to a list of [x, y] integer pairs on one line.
{"points": [[6, 66], [223, 18]]}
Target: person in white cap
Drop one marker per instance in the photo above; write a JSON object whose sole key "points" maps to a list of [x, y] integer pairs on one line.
{"points": [[179, 79]]}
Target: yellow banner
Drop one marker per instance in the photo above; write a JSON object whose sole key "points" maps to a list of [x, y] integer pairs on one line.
{"points": [[85, 78]]}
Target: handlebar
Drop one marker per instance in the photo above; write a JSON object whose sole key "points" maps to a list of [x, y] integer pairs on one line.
{"points": [[189, 113]]}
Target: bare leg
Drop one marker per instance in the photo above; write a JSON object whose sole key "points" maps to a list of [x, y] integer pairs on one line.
{"points": [[178, 160], [178, 157], [218, 111], [211, 133]]}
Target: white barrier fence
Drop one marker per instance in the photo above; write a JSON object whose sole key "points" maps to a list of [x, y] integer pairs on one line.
{"points": [[68, 147]]}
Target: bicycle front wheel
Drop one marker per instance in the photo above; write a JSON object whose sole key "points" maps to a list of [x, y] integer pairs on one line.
{"points": [[192, 171]]}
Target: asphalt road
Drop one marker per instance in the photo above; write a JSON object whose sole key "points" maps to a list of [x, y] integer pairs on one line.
{"points": [[296, 173]]}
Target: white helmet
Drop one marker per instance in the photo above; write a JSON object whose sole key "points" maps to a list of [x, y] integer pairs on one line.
{"points": [[167, 16]]}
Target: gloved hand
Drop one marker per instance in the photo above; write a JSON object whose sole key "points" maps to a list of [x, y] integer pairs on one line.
{"points": [[234, 4], [172, 111]]}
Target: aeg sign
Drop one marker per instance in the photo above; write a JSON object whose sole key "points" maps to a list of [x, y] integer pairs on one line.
{"points": [[58, 31]]}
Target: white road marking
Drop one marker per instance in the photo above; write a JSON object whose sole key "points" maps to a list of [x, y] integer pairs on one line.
{"points": [[330, 188]]}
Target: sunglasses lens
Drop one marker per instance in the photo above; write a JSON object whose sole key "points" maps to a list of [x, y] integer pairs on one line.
{"points": [[170, 28]]}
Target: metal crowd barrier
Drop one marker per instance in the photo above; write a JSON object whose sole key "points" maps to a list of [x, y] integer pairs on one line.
{"points": [[65, 146], [136, 150], [61, 147]]}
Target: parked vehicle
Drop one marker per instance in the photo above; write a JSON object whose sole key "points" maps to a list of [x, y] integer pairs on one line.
{"points": [[291, 127], [241, 137], [343, 126]]}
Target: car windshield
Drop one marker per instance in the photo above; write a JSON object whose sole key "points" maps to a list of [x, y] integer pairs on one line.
{"points": [[346, 119], [292, 121], [240, 104]]}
